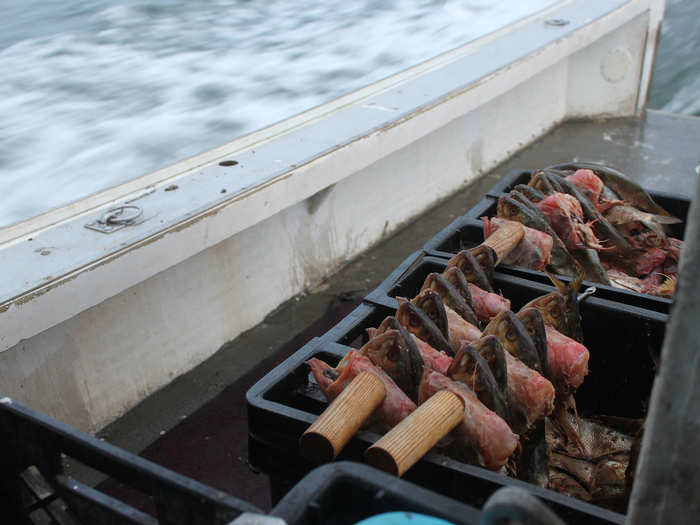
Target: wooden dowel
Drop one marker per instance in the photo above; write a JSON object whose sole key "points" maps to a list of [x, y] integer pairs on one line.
{"points": [[411, 439], [505, 239], [327, 436]]}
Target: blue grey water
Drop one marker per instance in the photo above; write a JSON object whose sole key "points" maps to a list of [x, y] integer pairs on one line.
{"points": [[97, 92]]}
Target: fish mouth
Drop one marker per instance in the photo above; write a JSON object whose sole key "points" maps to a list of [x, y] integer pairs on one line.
{"points": [[451, 296], [431, 303], [487, 258], [515, 338], [532, 320], [492, 351], [395, 352], [419, 324], [472, 270], [470, 368]]}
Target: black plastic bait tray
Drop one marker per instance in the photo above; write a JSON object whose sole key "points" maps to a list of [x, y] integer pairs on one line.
{"points": [[283, 404], [467, 231], [409, 276], [675, 204], [624, 343], [330, 494], [34, 487]]}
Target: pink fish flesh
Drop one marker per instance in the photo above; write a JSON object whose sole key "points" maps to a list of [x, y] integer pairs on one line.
{"points": [[487, 305], [396, 405], [592, 187], [432, 359], [565, 215], [567, 360], [481, 431], [460, 331], [529, 389], [648, 260]]}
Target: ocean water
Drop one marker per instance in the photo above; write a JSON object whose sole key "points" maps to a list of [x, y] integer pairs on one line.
{"points": [[676, 83], [97, 92]]}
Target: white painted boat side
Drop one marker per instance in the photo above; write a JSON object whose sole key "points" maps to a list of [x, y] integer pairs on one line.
{"points": [[101, 325]]}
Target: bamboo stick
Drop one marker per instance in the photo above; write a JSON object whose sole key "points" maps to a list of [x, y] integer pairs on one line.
{"points": [[327, 436], [411, 439], [505, 239]]}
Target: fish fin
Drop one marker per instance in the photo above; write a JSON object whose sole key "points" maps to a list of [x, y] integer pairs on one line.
{"points": [[665, 219], [561, 286], [560, 418]]}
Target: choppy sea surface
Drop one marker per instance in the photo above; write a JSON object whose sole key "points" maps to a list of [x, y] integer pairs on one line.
{"points": [[96, 92]]}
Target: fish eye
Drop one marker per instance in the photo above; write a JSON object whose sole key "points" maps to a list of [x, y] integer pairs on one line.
{"points": [[393, 354], [414, 321], [510, 334]]}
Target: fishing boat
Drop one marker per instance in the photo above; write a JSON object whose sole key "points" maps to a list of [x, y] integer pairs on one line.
{"points": [[106, 301]]}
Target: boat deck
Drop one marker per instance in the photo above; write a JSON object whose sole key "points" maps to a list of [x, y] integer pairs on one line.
{"points": [[197, 424]]}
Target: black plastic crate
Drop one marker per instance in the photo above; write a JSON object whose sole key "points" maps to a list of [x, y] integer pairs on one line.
{"points": [[464, 234], [409, 276], [330, 495], [624, 342], [34, 487], [286, 401], [675, 204], [467, 231]]}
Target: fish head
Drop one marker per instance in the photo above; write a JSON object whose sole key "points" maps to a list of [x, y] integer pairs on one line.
{"points": [[463, 366], [487, 258], [532, 320], [569, 295], [398, 356], [492, 351], [641, 229], [552, 306], [389, 323], [542, 183], [472, 270], [514, 337], [522, 199], [587, 183], [419, 324], [431, 303], [565, 214], [518, 208], [451, 296], [530, 193], [456, 278], [470, 368], [323, 373], [392, 323], [509, 208], [430, 282]]}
